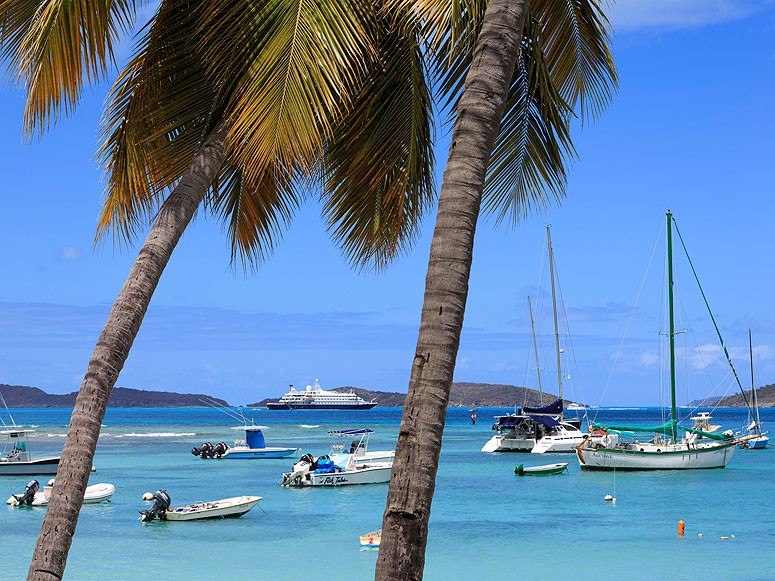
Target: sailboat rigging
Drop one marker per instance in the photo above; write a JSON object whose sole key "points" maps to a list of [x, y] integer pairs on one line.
{"points": [[665, 451]]}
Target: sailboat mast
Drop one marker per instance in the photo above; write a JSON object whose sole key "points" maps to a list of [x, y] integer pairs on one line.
{"points": [[673, 411], [535, 350], [754, 398], [554, 309]]}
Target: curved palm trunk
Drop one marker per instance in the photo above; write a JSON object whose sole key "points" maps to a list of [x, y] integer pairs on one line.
{"points": [[109, 355], [478, 117]]}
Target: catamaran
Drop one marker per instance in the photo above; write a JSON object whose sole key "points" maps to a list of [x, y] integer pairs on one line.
{"points": [[543, 429], [696, 448]]}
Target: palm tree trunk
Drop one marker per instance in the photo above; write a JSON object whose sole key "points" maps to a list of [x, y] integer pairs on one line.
{"points": [[478, 118], [109, 355]]}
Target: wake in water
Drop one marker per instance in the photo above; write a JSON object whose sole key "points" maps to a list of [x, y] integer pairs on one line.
{"points": [[308, 426], [157, 435]]}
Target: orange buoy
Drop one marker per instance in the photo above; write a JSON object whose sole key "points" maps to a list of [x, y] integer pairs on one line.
{"points": [[681, 527]]}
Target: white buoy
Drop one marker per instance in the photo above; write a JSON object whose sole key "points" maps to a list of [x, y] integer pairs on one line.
{"points": [[608, 498], [700, 535], [731, 536], [724, 538]]}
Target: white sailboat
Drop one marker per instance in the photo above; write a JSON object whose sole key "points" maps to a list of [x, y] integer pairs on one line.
{"points": [[665, 450], [759, 439]]}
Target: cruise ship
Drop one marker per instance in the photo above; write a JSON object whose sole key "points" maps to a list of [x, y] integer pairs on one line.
{"points": [[315, 398]]}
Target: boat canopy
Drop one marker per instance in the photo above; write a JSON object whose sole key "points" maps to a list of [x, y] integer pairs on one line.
{"points": [[254, 438], [510, 421], [356, 432], [665, 429], [554, 408], [547, 421]]}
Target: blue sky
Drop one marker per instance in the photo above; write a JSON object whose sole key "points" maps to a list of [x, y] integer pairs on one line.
{"points": [[691, 129]]}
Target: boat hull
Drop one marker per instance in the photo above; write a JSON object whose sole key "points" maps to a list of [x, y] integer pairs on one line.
{"points": [[501, 443], [226, 508], [301, 406], [258, 453], [557, 444], [361, 475], [30, 467], [689, 459], [545, 470], [758, 443]]}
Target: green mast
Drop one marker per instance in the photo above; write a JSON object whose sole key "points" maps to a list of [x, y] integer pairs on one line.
{"points": [[673, 414]]}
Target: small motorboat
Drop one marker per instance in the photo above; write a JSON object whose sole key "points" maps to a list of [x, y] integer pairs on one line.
{"points": [[226, 508], [543, 470], [253, 447], [32, 496], [18, 461], [371, 540], [322, 471]]}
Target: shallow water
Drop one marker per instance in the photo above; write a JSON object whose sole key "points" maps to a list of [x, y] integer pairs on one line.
{"points": [[486, 522]]}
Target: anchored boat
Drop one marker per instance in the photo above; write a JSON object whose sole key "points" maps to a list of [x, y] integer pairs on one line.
{"points": [[18, 462], [33, 496], [356, 466], [758, 439], [371, 540], [316, 398], [253, 447], [226, 508], [545, 470], [665, 450]]}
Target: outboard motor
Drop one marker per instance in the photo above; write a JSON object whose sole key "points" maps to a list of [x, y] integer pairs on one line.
{"points": [[204, 451], [302, 467], [219, 449], [161, 503], [28, 496]]}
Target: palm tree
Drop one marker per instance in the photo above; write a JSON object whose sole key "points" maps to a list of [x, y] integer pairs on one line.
{"points": [[533, 60], [233, 105]]}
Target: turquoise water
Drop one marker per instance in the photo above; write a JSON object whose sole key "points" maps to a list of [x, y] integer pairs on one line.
{"points": [[486, 522]]}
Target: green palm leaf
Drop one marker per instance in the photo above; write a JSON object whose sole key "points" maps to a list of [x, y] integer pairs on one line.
{"points": [[57, 46], [379, 167]]}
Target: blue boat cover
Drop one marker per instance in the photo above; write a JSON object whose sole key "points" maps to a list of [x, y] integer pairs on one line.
{"points": [[547, 421], [255, 439], [356, 432], [554, 408], [325, 467], [509, 421]]}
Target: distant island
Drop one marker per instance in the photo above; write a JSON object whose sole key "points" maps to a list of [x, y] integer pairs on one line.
{"points": [[121, 397], [765, 394], [463, 394]]}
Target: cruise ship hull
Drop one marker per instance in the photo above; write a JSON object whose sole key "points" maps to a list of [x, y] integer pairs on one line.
{"points": [[312, 406]]}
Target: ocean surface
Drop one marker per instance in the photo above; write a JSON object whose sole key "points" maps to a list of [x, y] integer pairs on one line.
{"points": [[486, 522]]}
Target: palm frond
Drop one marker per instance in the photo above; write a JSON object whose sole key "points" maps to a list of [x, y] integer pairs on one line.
{"points": [[158, 113], [379, 167], [56, 47], [285, 67], [255, 213], [527, 168], [575, 39]]}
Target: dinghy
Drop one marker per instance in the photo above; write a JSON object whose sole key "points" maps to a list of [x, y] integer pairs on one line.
{"points": [[31, 496], [372, 539], [543, 470], [226, 508]]}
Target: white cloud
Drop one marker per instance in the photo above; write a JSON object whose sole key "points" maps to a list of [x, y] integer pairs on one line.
{"points": [[70, 253], [674, 14]]}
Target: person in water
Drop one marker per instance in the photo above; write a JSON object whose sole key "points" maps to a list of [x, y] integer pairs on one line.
{"points": [[473, 417]]}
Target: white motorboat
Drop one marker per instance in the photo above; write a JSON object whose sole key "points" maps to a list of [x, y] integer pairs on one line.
{"points": [[253, 447], [666, 450], [15, 460], [340, 469], [358, 449], [94, 494], [226, 508]]}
